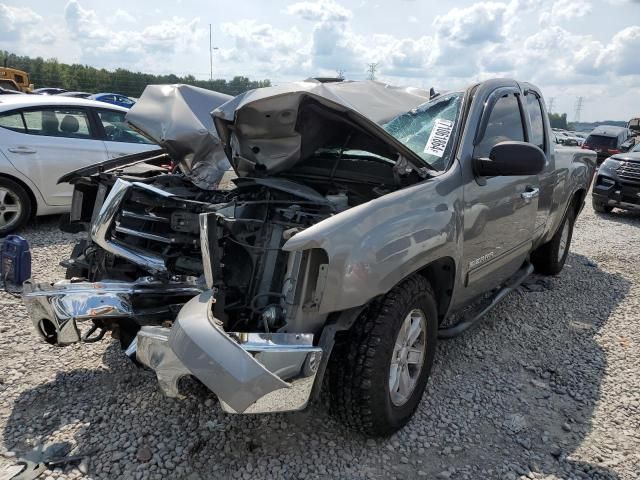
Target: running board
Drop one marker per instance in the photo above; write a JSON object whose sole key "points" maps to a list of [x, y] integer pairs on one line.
{"points": [[466, 323]]}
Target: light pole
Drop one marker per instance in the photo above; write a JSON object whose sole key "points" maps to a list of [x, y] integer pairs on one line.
{"points": [[211, 49]]}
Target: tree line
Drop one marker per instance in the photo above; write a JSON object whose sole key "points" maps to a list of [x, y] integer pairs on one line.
{"points": [[83, 78]]}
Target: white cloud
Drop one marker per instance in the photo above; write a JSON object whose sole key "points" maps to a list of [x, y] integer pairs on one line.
{"points": [[621, 55], [151, 45], [15, 20], [322, 10], [273, 49], [123, 16], [564, 10], [479, 23]]}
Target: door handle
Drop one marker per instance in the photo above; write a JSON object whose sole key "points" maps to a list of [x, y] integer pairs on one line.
{"points": [[530, 194], [21, 150]]}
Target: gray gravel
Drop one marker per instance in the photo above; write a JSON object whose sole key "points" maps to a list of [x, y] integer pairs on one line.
{"points": [[547, 387]]}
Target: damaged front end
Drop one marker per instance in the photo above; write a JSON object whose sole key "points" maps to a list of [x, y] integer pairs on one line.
{"points": [[249, 372], [195, 277]]}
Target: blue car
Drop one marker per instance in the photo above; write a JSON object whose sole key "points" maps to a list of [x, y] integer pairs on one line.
{"points": [[114, 99]]}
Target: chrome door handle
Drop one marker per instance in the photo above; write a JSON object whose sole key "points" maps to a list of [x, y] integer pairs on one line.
{"points": [[530, 194], [21, 150]]}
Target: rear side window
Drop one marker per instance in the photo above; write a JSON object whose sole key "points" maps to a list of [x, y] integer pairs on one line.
{"points": [[534, 110], [12, 121], [601, 141], [505, 123], [117, 130], [58, 122]]}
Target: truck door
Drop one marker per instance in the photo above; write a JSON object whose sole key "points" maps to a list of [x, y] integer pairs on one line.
{"points": [[536, 127], [499, 212]]}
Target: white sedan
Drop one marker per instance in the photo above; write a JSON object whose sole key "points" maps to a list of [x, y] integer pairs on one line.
{"points": [[44, 137]]}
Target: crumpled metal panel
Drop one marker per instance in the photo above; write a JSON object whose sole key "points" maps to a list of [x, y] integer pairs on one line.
{"points": [[152, 350], [178, 118], [377, 101], [216, 359], [273, 130]]}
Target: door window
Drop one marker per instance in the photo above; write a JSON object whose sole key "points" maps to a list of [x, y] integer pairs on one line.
{"points": [[117, 130], [534, 109], [12, 121], [505, 123], [58, 122]]}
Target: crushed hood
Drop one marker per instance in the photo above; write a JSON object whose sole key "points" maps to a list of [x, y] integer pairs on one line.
{"points": [[178, 118], [269, 130]]}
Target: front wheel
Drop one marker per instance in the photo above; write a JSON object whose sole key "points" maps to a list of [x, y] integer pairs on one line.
{"points": [[601, 207], [378, 371], [549, 258]]}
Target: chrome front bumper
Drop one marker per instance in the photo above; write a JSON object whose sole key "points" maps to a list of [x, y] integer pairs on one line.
{"points": [[249, 372], [57, 308]]}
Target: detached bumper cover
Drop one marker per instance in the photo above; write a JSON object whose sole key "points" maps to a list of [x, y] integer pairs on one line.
{"points": [[249, 372], [57, 308]]}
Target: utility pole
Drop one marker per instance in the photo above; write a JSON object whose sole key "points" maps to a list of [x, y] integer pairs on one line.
{"points": [[578, 109], [210, 56], [372, 70], [340, 73], [551, 100]]}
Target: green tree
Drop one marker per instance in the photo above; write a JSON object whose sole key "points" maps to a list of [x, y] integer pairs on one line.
{"points": [[51, 73], [558, 120]]}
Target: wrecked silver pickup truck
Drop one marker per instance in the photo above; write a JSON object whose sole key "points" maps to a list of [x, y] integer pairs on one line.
{"points": [[363, 219]]}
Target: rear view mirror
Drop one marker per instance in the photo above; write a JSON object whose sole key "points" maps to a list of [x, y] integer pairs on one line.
{"points": [[510, 159]]}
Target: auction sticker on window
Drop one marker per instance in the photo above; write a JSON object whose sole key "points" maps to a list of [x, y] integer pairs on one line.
{"points": [[439, 137]]}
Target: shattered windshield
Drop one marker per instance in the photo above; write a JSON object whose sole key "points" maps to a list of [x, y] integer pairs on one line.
{"points": [[427, 130]]}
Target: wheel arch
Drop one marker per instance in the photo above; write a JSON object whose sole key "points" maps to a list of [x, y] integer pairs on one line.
{"points": [[578, 199], [27, 188], [441, 274]]}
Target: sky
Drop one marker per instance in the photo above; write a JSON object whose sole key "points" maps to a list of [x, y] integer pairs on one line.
{"points": [[569, 48]]}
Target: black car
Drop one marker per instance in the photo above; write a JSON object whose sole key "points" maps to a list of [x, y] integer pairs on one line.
{"points": [[606, 140], [618, 183]]}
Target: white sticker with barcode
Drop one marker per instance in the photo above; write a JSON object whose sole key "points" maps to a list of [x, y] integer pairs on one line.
{"points": [[439, 137]]}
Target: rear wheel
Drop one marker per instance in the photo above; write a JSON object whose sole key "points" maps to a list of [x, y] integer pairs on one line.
{"points": [[601, 207], [15, 206], [379, 370], [549, 258]]}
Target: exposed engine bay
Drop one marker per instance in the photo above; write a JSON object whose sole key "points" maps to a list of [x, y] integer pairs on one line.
{"points": [[256, 284]]}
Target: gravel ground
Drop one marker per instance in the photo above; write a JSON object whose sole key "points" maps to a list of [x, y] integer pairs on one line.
{"points": [[546, 387]]}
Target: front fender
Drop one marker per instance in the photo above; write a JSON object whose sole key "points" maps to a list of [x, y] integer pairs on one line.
{"points": [[373, 246]]}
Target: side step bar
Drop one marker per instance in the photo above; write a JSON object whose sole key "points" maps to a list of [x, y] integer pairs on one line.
{"points": [[467, 322]]}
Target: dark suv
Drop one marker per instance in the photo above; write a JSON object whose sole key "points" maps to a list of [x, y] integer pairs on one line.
{"points": [[606, 140], [618, 182]]}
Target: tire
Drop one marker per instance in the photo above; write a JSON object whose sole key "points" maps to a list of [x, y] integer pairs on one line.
{"points": [[15, 206], [361, 368], [549, 258], [601, 207]]}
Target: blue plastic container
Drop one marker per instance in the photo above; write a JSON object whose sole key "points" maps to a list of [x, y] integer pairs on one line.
{"points": [[15, 260]]}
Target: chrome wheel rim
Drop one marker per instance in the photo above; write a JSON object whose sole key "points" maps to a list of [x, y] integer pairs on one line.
{"points": [[408, 357], [10, 208], [564, 240]]}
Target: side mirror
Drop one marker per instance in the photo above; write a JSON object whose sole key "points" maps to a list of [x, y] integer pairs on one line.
{"points": [[511, 159]]}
